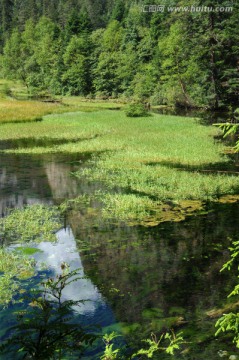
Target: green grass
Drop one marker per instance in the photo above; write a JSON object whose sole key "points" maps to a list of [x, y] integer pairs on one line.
{"points": [[16, 107], [152, 159]]}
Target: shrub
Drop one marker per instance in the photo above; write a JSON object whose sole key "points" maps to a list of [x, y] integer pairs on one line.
{"points": [[136, 110]]}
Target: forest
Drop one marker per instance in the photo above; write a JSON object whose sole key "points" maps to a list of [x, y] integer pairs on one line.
{"points": [[115, 49]]}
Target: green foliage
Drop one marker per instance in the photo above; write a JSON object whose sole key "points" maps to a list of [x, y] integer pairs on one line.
{"points": [[13, 61], [8, 288], [78, 23], [119, 10], [33, 223], [154, 346], [230, 322], [13, 267], [231, 128], [185, 59], [175, 341], [107, 67], [136, 110], [76, 78], [33, 56], [109, 352], [160, 157], [47, 329], [227, 128], [234, 254]]}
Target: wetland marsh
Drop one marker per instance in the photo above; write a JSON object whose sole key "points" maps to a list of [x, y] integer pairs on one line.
{"points": [[148, 208]]}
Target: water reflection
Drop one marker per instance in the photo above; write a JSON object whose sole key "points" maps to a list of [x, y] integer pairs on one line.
{"points": [[162, 277], [172, 268], [162, 267], [65, 250], [28, 180], [94, 310]]}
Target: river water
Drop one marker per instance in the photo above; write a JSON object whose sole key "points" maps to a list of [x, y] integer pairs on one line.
{"points": [[139, 279]]}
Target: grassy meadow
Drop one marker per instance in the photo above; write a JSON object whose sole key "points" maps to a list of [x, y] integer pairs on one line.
{"points": [[15, 105], [143, 162]]}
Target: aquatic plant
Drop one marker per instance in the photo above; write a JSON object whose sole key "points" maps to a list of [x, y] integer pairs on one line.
{"points": [[33, 223], [157, 159], [13, 268]]}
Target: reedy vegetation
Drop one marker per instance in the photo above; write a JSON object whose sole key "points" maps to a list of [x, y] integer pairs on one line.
{"points": [[149, 159], [13, 268], [23, 226]]}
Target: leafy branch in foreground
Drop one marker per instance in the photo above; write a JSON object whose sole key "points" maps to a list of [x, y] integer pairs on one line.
{"points": [[230, 322], [175, 341], [231, 128], [49, 329], [154, 346]]}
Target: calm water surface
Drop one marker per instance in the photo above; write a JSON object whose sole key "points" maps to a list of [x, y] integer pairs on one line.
{"points": [[139, 279]]}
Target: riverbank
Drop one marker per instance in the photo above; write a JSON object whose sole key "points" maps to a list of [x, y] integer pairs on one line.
{"points": [[144, 162]]}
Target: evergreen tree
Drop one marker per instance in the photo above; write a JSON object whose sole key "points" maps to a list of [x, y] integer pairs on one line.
{"points": [[6, 11], [106, 73], [77, 77], [113, 48], [13, 62]]}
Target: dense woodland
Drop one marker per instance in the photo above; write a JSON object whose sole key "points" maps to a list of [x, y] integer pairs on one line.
{"points": [[110, 48]]}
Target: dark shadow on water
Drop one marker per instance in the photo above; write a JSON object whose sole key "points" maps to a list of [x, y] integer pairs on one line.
{"points": [[225, 168], [32, 142], [170, 272]]}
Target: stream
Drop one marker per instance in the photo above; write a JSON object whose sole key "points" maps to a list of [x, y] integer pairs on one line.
{"points": [[139, 279]]}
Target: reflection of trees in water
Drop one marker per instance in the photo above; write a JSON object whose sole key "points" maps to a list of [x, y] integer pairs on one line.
{"points": [[27, 180], [175, 264], [22, 182], [62, 184]]}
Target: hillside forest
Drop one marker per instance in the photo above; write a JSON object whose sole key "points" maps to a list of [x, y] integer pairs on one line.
{"points": [[114, 49]]}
